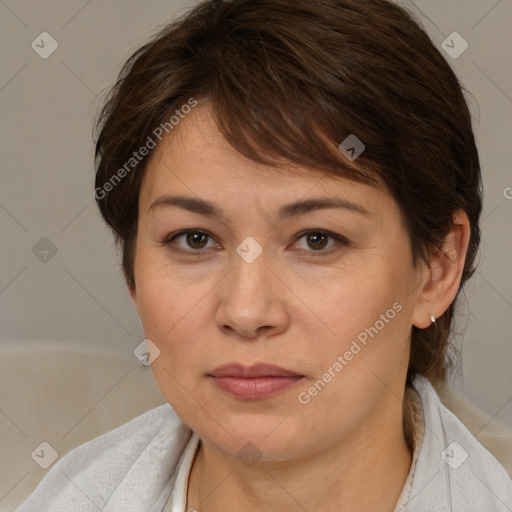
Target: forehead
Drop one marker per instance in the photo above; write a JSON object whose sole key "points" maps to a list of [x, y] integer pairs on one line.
{"points": [[195, 159], [197, 144]]}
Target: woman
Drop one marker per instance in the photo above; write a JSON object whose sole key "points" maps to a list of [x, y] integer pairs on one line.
{"points": [[296, 191]]}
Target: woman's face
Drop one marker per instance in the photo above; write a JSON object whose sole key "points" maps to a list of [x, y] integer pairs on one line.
{"points": [[248, 286]]}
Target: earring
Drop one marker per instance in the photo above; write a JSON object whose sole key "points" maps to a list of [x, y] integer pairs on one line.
{"points": [[433, 319]]}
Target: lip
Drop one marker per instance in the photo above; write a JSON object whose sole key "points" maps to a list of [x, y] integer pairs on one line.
{"points": [[254, 371], [253, 382]]}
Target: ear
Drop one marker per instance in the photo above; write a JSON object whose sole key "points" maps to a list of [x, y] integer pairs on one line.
{"points": [[441, 283]]}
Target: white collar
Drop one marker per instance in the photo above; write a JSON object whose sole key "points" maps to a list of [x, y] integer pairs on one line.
{"points": [[178, 498]]}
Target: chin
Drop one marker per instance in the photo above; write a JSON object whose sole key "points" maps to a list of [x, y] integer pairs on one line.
{"points": [[262, 437]]}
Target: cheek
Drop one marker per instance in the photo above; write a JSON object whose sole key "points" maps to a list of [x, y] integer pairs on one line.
{"points": [[157, 307], [356, 370], [366, 325], [173, 315], [160, 297], [170, 319], [348, 304]]}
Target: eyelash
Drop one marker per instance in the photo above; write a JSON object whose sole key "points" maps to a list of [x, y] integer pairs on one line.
{"points": [[340, 241]]}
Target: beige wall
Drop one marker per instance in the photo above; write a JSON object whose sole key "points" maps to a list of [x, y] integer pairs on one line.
{"points": [[47, 108]]}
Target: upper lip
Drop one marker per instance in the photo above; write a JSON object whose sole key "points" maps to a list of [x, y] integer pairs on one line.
{"points": [[257, 370]]}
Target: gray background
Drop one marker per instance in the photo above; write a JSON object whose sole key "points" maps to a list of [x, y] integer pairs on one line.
{"points": [[47, 111]]}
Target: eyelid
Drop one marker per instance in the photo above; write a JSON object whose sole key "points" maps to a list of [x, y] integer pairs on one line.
{"points": [[166, 242], [339, 239]]}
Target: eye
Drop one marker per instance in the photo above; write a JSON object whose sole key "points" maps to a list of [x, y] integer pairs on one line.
{"points": [[317, 241], [195, 241]]}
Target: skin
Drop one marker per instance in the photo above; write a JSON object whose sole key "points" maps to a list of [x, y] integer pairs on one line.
{"points": [[297, 306]]}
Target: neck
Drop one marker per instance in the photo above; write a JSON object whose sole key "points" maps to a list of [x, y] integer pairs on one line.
{"points": [[365, 471]]}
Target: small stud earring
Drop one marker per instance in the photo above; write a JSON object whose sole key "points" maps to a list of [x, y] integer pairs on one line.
{"points": [[433, 319]]}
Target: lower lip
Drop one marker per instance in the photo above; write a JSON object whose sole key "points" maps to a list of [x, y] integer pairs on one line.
{"points": [[257, 387]]}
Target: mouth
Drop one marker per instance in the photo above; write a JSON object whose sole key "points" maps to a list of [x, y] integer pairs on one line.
{"points": [[253, 382]]}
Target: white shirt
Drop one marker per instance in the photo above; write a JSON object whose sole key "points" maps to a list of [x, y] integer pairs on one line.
{"points": [[143, 466], [178, 498]]}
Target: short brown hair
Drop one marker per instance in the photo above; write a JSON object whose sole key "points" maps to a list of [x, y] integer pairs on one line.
{"points": [[291, 80]]}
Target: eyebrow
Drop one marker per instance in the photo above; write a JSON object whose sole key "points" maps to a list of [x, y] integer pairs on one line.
{"points": [[296, 208]]}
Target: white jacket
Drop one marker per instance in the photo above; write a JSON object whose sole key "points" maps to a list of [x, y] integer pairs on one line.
{"points": [[133, 468]]}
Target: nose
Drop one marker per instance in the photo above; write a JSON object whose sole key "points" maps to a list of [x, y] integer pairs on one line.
{"points": [[251, 301]]}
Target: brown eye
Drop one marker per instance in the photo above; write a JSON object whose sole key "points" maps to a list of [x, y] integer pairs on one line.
{"points": [[320, 242], [192, 242], [317, 241], [196, 240]]}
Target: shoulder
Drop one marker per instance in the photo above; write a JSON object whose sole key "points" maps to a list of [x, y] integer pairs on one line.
{"points": [[128, 467], [454, 471]]}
